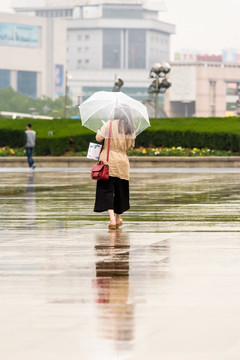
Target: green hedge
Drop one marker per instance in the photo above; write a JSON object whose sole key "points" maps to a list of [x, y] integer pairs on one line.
{"points": [[214, 133], [54, 137], [68, 134]]}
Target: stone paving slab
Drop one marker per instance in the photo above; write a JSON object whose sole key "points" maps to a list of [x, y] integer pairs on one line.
{"points": [[165, 286]]}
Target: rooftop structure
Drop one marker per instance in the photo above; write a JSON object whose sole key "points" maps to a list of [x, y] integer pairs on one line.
{"points": [[32, 5]]}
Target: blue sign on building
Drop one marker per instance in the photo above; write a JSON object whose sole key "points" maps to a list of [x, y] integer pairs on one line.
{"points": [[19, 35], [59, 80]]}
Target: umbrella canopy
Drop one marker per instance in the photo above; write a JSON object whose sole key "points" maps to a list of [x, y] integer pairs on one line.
{"points": [[103, 106]]}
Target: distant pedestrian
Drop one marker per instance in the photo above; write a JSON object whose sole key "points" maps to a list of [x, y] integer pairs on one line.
{"points": [[30, 142]]}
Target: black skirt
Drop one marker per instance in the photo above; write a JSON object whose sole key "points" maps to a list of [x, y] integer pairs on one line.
{"points": [[112, 194]]}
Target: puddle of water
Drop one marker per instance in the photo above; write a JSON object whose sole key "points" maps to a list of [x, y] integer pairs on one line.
{"points": [[160, 202]]}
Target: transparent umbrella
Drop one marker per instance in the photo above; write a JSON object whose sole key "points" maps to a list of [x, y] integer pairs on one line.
{"points": [[104, 106]]}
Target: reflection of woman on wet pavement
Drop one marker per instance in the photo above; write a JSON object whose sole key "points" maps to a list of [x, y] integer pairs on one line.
{"points": [[113, 195], [116, 311]]}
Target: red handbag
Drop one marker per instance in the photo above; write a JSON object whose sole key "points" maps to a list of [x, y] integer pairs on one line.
{"points": [[101, 170]]}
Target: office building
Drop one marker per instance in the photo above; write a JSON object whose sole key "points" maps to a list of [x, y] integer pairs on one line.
{"points": [[107, 39], [32, 62], [203, 89]]}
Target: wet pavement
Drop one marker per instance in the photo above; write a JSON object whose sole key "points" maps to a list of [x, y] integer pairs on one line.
{"points": [[165, 286]]}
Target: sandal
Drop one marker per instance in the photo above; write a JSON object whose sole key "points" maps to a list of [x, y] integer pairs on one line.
{"points": [[112, 225], [119, 223]]}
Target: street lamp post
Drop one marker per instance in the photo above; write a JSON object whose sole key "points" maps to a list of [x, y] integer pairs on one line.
{"points": [[160, 83], [67, 77], [65, 95], [238, 102]]}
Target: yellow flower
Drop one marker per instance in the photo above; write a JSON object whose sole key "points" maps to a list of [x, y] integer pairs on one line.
{"points": [[144, 151]]}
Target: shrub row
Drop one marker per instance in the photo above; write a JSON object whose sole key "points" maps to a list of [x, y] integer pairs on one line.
{"points": [[55, 137], [213, 133], [190, 139]]}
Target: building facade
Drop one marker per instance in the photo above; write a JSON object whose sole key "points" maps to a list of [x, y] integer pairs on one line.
{"points": [[203, 89], [108, 38], [32, 62]]}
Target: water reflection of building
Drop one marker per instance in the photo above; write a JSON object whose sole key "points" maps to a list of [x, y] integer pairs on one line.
{"points": [[115, 310]]}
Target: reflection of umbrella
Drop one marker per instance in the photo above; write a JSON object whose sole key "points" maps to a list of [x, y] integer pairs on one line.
{"points": [[103, 106]]}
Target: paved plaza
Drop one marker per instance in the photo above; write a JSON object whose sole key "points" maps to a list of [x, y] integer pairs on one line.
{"points": [[165, 286]]}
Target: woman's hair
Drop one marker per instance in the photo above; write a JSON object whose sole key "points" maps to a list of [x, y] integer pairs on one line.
{"points": [[125, 125]]}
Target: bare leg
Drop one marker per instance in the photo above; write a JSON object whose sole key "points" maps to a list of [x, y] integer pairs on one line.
{"points": [[111, 215], [112, 223], [119, 221], [117, 217]]}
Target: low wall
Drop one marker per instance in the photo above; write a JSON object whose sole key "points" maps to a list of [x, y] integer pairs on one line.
{"points": [[135, 162]]}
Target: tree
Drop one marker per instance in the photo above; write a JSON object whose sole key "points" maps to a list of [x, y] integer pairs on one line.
{"points": [[12, 101]]}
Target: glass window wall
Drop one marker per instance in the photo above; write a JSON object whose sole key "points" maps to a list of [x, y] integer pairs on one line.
{"points": [[5, 79], [27, 83], [111, 48], [137, 49]]}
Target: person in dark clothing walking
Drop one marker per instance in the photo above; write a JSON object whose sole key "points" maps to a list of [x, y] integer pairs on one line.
{"points": [[30, 142]]}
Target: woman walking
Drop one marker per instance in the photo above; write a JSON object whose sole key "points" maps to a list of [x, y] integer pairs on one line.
{"points": [[113, 195]]}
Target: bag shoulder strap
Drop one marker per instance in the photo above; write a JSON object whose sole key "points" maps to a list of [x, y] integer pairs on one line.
{"points": [[109, 139]]}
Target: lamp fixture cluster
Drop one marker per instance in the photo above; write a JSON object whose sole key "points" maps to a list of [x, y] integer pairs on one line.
{"points": [[160, 83]]}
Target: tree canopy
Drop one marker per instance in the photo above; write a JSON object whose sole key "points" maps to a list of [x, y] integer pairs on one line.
{"points": [[12, 101]]}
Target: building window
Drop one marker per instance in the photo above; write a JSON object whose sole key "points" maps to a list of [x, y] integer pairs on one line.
{"points": [[231, 88], [86, 48], [5, 80], [116, 12], [137, 49], [79, 61], [27, 83], [111, 48], [87, 37], [79, 50], [87, 61]]}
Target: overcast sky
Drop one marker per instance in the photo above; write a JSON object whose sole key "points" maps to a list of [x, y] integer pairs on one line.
{"points": [[203, 25]]}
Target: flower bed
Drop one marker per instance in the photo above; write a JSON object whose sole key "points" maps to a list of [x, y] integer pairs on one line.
{"points": [[169, 151], [177, 151], [7, 151], [141, 151]]}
